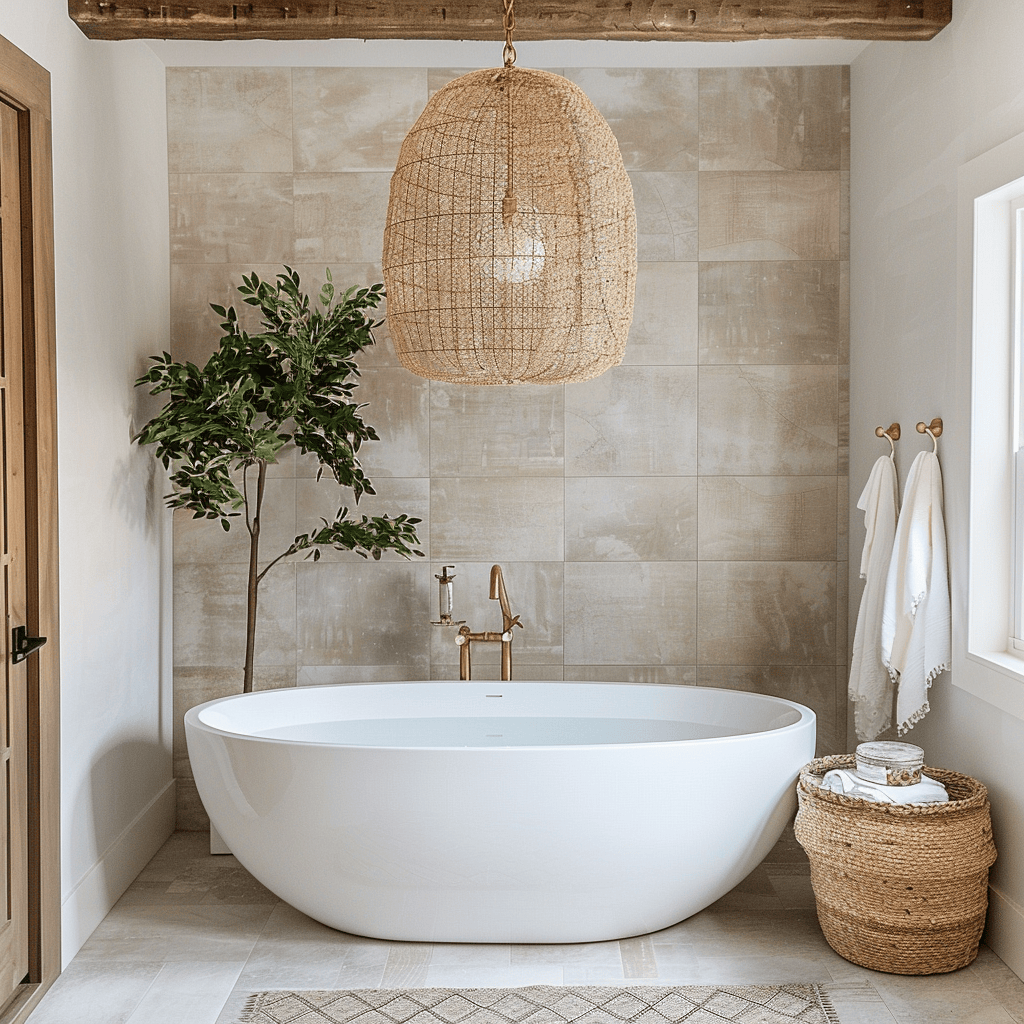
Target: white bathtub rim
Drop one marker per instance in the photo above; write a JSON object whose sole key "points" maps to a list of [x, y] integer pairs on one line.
{"points": [[806, 718]]}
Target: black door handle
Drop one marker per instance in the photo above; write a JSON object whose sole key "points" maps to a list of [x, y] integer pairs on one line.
{"points": [[23, 645]]}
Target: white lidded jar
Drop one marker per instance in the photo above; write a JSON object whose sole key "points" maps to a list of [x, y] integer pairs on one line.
{"points": [[889, 763]]}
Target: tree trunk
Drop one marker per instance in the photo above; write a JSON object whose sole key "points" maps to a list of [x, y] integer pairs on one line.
{"points": [[253, 523]]}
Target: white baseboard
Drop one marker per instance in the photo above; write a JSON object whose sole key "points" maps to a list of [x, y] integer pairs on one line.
{"points": [[1004, 930], [91, 900]]}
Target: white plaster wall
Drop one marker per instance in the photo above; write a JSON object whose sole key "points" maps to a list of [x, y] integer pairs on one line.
{"points": [[920, 111], [111, 235]]}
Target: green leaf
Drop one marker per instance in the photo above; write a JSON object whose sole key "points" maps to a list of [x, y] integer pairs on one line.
{"points": [[293, 382]]}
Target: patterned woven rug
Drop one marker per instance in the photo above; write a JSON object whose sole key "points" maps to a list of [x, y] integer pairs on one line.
{"points": [[547, 1004]]}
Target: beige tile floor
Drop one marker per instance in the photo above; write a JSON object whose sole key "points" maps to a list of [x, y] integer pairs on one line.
{"points": [[195, 934]]}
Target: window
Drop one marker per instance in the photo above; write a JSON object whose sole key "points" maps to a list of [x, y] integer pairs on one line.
{"points": [[988, 598]]}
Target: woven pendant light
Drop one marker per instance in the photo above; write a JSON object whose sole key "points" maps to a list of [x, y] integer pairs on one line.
{"points": [[510, 246]]}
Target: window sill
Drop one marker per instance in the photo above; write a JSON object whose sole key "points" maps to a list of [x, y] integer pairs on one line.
{"points": [[995, 677]]}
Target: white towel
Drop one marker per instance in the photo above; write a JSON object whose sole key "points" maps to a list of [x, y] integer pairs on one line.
{"points": [[915, 613], [870, 684], [927, 791]]}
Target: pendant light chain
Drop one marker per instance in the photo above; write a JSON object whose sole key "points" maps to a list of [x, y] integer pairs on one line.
{"points": [[510, 23], [508, 205]]}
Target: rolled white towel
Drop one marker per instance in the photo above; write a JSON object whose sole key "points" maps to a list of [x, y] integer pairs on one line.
{"points": [[927, 791]]}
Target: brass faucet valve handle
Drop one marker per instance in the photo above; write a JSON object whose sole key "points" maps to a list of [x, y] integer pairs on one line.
{"points": [[507, 634]]}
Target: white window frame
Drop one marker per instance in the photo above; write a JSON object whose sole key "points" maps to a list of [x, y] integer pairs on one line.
{"points": [[1015, 641], [984, 611]]}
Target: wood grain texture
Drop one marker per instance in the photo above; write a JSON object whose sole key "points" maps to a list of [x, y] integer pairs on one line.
{"points": [[14, 909], [43, 551], [23, 82], [26, 85], [694, 20]]}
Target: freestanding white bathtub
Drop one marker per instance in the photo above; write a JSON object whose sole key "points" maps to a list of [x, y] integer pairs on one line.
{"points": [[499, 812]]}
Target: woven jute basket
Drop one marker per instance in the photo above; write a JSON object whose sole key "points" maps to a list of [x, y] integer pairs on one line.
{"points": [[899, 888]]}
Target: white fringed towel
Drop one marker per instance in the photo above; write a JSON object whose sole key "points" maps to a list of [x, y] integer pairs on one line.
{"points": [[870, 684], [915, 613]]}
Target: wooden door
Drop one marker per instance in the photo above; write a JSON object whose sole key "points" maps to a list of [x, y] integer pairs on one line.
{"points": [[30, 700], [14, 950]]}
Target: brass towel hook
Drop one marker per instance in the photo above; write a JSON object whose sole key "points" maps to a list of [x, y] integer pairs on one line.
{"points": [[891, 435], [933, 430]]}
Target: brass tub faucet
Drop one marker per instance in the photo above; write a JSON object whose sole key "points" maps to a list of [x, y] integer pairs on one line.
{"points": [[466, 637]]}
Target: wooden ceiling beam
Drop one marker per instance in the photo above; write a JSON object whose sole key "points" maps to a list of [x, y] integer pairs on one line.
{"points": [[692, 20]]}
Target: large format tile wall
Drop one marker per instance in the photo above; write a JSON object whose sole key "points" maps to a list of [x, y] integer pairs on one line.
{"points": [[679, 519]]}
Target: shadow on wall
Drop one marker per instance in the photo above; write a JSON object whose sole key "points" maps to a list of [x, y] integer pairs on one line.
{"points": [[137, 484]]}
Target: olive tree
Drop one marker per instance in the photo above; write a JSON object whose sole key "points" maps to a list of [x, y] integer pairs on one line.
{"points": [[293, 383]]}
